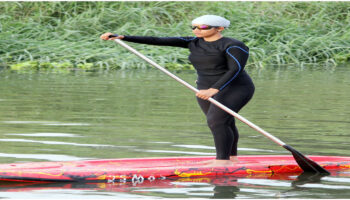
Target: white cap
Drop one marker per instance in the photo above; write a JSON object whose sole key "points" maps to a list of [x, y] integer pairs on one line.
{"points": [[212, 20]]}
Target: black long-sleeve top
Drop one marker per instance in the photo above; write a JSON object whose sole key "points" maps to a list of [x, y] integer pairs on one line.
{"points": [[217, 63]]}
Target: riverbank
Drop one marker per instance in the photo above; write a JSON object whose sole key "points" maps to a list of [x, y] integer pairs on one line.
{"points": [[65, 35]]}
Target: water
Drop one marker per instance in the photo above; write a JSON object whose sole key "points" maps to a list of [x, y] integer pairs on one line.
{"points": [[143, 113]]}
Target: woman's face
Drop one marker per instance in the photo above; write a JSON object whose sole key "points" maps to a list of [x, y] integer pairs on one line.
{"points": [[200, 32]]}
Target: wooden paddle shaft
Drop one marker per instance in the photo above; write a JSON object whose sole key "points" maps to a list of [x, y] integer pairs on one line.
{"points": [[223, 107]]}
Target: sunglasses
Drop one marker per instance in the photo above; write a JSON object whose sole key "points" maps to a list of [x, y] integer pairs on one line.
{"points": [[204, 27]]}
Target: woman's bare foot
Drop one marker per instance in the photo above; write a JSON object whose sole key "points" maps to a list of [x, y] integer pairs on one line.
{"points": [[234, 159]]}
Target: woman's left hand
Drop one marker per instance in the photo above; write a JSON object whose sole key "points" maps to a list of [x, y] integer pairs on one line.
{"points": [[206, 94]]}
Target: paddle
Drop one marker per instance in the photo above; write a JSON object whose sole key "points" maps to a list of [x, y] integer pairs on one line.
{"points": [[305, 163]]}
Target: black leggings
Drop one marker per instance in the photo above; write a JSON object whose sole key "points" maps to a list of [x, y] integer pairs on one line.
{"points": [[222, 124]]}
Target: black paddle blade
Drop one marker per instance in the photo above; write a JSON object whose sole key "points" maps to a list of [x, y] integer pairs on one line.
{"points": [[305, 163]]}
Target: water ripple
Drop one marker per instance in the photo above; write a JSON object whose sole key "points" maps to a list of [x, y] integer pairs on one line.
{"points": [[194, 146], [175, 190], [326, 186], [160, 142], [265, 182], [46, 123], [336, 179], [50, 157], [45, 134], [61, 143]]}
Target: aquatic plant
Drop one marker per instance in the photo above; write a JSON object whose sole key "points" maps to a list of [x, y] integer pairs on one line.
{"points": [[278, 33]]}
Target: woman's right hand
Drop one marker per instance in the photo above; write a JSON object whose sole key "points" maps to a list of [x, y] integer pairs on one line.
{"points": [[106, 36]]}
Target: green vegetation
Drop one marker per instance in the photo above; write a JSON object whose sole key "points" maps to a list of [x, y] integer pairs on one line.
{"points": [[65, 35]]}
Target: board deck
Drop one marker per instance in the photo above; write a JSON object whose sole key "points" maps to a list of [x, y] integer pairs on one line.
{"points": [[138, 169]]}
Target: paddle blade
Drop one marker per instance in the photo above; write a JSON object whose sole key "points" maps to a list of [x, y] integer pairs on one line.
{"points": [[305, 163]]}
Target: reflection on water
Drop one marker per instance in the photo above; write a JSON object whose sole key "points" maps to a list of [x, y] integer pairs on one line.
{"points": [[125, 114], [229, 187]]}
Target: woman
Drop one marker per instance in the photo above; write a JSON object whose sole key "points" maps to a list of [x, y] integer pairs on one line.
{"points": [[219, 62]]}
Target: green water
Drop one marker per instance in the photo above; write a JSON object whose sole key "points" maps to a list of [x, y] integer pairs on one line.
{"points": [[143, 113]]}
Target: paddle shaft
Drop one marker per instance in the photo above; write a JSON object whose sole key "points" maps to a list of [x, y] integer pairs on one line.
{"points": [[220, 105]]}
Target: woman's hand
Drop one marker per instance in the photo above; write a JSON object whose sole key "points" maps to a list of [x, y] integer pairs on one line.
{"points": [[106, 36], [206, 94]]}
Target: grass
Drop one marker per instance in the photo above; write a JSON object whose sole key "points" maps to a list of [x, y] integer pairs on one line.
{"points": [[53, 34]]}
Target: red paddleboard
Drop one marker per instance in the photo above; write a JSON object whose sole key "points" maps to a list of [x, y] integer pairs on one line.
{"points": [[139, 169]]}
